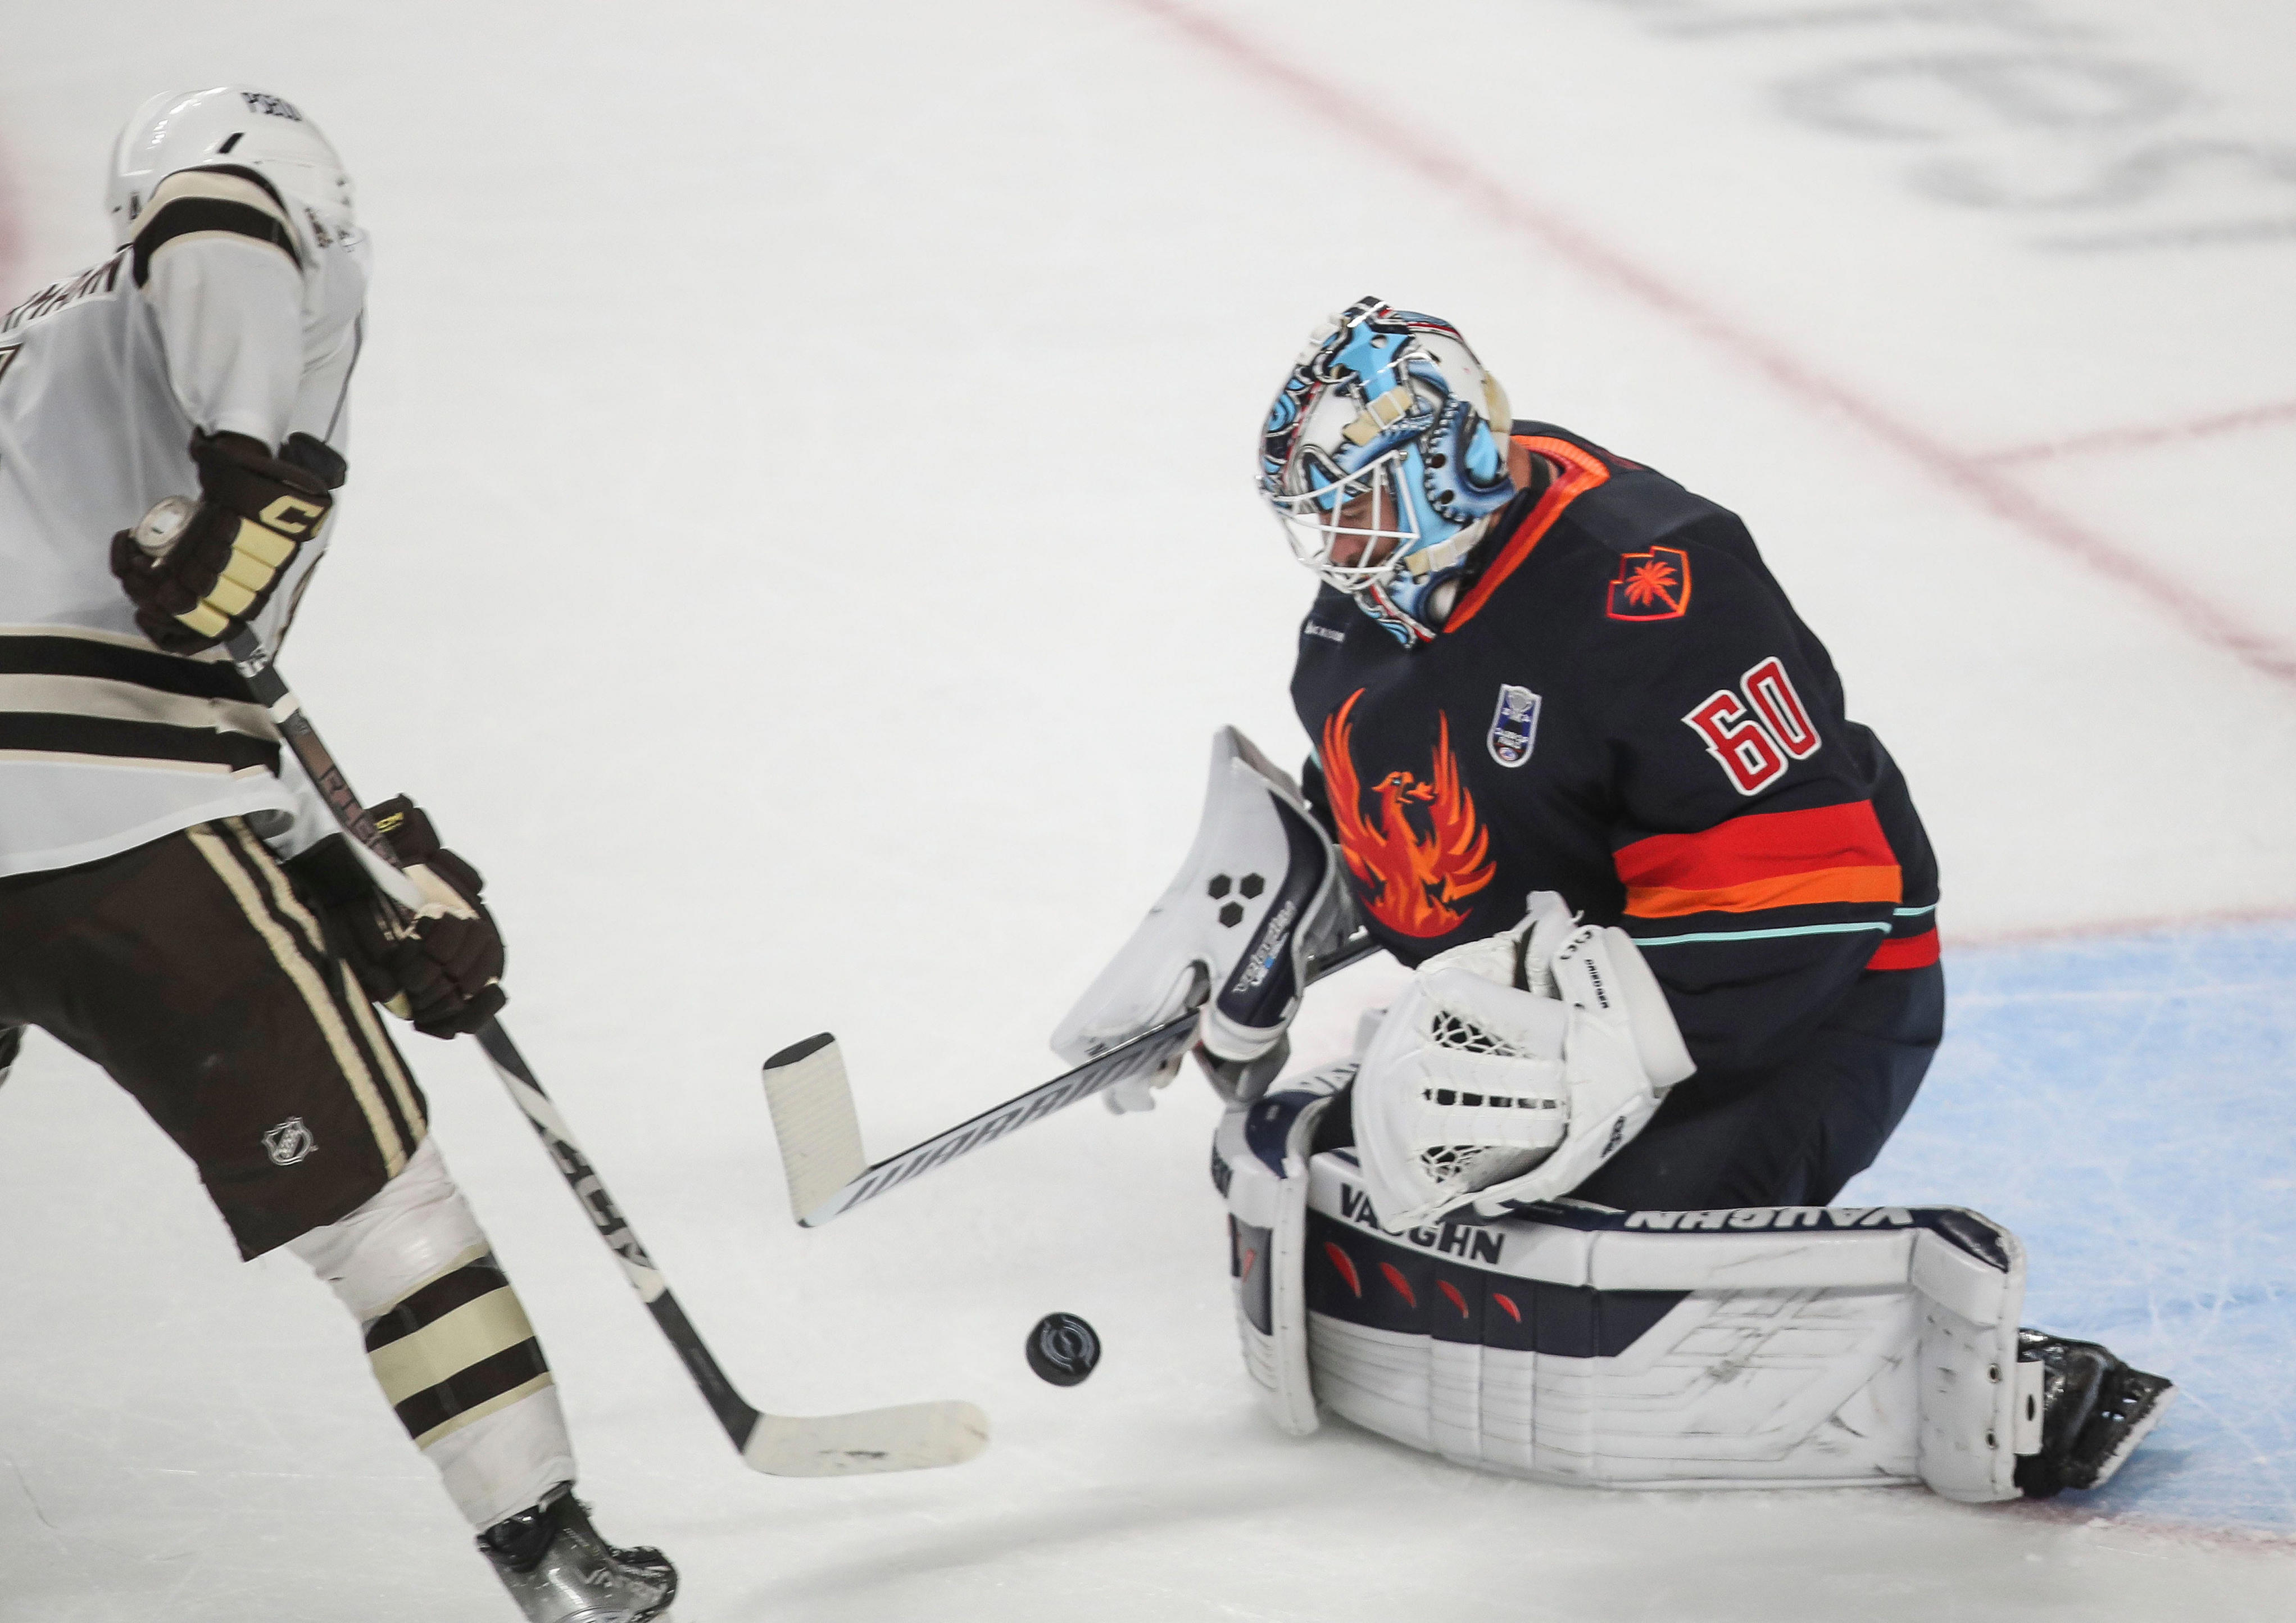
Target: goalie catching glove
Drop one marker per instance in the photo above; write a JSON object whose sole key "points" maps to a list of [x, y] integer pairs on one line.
{"points": [[1260, 895], [440, 969], [198, 573], [1511, 1068]]}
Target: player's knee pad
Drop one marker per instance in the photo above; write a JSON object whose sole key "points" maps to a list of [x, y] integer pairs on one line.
{"points": [[1768, 1346], [1259, 1165], [414, 1229], [1259, 892], [448, 1339]]}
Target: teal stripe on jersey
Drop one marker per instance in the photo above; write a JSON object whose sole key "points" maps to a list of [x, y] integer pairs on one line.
{"points": [[1915, 912], [1756, 935]]}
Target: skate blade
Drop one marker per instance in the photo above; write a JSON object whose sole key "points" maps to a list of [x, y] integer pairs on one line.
{"points": [[2137, 1432], [913, 1437]]}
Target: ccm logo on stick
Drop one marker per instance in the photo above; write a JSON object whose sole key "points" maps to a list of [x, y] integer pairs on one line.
{"points": [[1754, 737]]}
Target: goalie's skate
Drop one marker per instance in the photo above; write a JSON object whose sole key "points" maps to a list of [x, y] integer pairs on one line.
{"points": [[559, 1571], [2094, 1410]]}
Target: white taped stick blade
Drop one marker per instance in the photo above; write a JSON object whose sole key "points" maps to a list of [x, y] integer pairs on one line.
{"points": [[913, 1437], [820, 1137]]}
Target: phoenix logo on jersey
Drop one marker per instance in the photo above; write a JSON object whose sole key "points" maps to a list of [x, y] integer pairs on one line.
{"points": [[1408, 879]]}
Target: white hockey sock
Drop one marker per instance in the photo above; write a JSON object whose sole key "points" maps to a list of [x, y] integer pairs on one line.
{"points": [[449, 1342]]}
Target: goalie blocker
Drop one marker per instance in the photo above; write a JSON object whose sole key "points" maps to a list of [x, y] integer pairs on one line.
{"points": [[1259, 896], [1762, 1347]]}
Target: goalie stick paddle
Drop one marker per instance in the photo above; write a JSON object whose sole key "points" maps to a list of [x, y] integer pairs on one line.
{"points": [[820, 1137], [909, 1437]]}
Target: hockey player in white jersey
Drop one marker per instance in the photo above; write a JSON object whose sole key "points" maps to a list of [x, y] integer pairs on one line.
{"points": [[175, 902]]}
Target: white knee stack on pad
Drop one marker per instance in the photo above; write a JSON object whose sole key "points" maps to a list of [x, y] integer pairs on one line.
{"points": [[1768, 1345], [497, 1456], [1259, 1163]]}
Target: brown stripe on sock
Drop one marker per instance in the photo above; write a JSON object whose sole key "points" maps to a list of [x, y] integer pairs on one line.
{"points": [[435, 1301], [489, 1378]]}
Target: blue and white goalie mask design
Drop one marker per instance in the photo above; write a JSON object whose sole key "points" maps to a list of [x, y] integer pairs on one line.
{"points": [[1385, 457]]}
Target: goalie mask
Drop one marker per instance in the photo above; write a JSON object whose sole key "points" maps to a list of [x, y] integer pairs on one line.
{"points": [[1384, 456]]}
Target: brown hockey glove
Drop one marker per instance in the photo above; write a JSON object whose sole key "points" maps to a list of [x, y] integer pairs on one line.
{"points": [[219, 569], [442, 968]]}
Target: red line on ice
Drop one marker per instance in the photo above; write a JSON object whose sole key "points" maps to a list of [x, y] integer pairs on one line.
{"points": [[2227, 918], [1362, 121], [2144, 439]]}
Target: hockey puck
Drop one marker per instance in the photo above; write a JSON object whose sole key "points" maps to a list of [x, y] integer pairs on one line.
{"points": [[1062, 1349]]}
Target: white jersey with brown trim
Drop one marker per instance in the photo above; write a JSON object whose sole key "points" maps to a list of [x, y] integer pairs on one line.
{"points": [[233, 309]]}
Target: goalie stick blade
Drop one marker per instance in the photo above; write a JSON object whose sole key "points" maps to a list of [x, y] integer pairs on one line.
{"points": [[913, 1437], [1142, 1056], [812, 1106], [1147, 1052]]}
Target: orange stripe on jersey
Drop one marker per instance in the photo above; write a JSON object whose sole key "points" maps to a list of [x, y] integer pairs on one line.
{"points": [[1760, 846], [1581, 472], [1906, 952], [1873, 884]]}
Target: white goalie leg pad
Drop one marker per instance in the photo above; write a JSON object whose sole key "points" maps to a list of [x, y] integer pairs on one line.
{"points": [[1762, 1347], [1511, 1068], [1259, 892], [449, 1343], [1259, 1165]]}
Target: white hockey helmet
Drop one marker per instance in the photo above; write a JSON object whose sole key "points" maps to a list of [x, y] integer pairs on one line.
{"points": [[229, 124]]}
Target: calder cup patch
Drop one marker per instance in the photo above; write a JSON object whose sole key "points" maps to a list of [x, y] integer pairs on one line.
{"points": [[1514, 725]]}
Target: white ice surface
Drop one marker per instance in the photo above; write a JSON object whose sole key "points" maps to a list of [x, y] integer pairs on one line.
{"points": [[801, 537]]}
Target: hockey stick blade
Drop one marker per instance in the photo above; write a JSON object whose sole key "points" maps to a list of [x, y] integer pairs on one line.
{"points": [[913, 1437], [812, 1106], [907, 1437]]}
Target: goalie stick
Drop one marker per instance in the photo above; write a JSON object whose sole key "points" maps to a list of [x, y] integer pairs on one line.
{"points": [[909, 1437], [820, 1136]]}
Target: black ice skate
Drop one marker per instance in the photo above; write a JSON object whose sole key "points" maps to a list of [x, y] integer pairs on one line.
{"points": [[2094, 1410], [559, 1571]]}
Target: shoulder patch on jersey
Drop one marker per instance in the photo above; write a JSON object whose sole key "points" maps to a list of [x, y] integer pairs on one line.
{"points": [[1650, 586], [202, 202]]}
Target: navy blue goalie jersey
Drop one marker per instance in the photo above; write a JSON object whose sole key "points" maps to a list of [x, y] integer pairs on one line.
{"points": [[1622, 707]]}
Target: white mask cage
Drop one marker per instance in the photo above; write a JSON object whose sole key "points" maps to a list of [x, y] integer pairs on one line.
{"points": [[1377, 540]]}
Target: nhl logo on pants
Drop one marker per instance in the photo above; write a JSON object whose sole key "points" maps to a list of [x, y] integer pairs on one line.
{"points": [[290, 1141]]}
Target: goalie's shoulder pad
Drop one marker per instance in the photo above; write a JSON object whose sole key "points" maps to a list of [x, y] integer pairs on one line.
{"points": [[1258, 895]]}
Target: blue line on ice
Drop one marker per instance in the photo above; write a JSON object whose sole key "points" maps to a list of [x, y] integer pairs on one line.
{"points": [[2128, 1107]]}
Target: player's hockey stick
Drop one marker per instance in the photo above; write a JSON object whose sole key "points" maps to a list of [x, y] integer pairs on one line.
{"points": [[910, 1437], [820, 1136]]}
